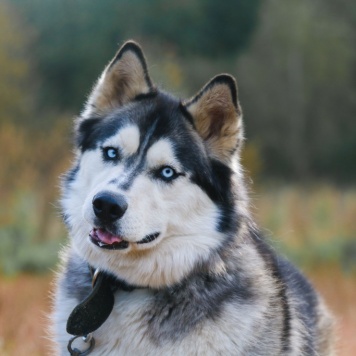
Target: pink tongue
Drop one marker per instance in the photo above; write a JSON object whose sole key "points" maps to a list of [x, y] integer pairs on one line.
{"points": [[107, 237]]}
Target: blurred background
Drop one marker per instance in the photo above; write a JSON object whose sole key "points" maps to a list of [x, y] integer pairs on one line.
{"points": [[295, 63]]}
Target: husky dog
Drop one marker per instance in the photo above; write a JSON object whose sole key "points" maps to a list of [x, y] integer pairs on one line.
{"points": [[156, 205]]}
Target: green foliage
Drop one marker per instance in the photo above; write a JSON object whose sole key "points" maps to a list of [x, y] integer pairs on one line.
{"points": [[339, 251], [15, 39], [21, 249], [203, 27], [311, 226], [296, 76], [298, 88], [19, 253], [75, 39]]}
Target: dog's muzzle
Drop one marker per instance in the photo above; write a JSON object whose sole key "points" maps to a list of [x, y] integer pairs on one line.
{"points": [[109, 207]]}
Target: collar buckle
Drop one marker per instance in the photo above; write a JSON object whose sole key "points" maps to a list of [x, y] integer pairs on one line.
{"points": [[87, 339], [95, 277]]}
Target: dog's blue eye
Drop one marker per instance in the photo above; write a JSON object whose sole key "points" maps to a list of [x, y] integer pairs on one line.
{"points": [[111, 153], [167, 173]]}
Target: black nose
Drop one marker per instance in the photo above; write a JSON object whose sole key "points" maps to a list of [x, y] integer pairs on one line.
{"points": [[109, 207]]}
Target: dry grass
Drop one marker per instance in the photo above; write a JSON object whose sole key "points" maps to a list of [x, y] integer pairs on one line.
{"points": [[24, 304], [304, 220], [298, 216], [339, 292]]}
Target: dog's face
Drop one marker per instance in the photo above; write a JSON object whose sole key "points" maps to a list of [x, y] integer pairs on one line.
{"points": [[151, 193]]}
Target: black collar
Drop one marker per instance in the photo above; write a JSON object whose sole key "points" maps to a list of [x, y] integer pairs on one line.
{"points": [[93, 311]]}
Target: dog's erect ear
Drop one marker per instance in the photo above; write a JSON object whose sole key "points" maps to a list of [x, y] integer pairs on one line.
{"points": [[124, 78], [217, 116]]}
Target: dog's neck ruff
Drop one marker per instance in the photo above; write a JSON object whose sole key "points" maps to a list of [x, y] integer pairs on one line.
{"points": [[94, 310]]}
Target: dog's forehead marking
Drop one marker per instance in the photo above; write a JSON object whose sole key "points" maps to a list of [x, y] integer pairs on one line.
{"points": [[128, 139], [160, 153]]}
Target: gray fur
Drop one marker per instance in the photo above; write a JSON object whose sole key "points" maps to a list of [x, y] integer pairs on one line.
{"points": [[76, 281]]}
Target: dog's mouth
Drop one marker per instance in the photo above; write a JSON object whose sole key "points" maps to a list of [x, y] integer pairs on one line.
{"points": [[105, 239]]}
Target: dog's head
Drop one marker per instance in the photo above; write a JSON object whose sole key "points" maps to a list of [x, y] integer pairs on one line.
{"points": [[153, 189]]}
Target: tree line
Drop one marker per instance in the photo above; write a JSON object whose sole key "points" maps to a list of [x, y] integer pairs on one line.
{"points": [[294, 62]]}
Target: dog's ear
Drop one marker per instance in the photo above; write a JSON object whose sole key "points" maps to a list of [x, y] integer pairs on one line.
{"points": [[217, 116], [123, 80]]}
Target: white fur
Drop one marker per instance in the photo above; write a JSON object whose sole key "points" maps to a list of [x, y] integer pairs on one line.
{"points": [[161, 153], [127, 139], [153, 206]]}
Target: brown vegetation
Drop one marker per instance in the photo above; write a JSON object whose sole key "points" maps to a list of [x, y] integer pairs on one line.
{"points": [[25, 304]]}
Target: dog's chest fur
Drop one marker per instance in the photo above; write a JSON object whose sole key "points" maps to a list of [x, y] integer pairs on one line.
{"points": [[229, 314]]}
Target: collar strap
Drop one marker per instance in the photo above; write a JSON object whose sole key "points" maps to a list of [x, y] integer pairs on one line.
{"points": [[93, 311], [114, 282]]}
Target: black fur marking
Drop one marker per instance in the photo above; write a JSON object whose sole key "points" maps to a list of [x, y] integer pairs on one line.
{"points": [[136, 163], [144, 96], [273, 263], [216, 182], [276, 272], [67, 179], [148, 238], [70, 176], [307, 302], [86, 133], [93, 131], [187, 114]]}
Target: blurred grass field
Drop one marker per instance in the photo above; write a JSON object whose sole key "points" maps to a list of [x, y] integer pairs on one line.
{"points": [[315, 227], [299, 129]]}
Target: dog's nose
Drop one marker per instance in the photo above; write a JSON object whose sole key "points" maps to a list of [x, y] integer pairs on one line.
{"points": [[108, 206]]}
